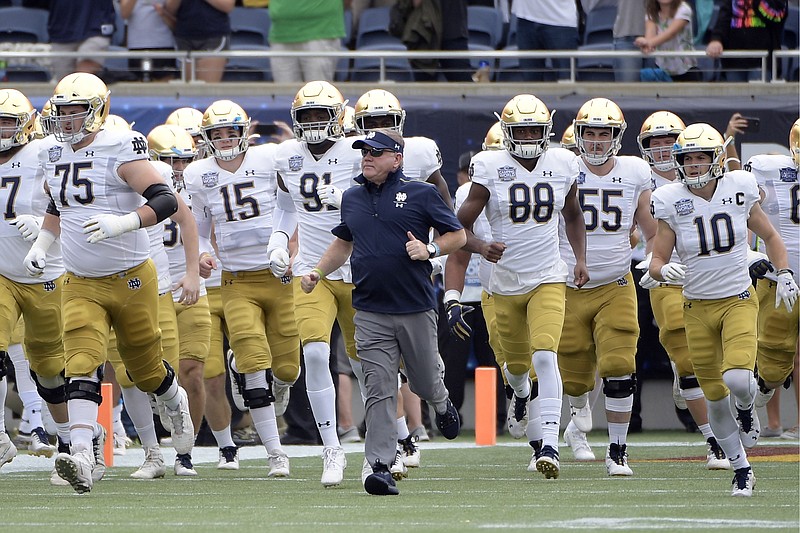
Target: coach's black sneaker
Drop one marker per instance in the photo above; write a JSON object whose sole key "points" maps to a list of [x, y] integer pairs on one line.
{"points": [[449, 423], [380, 482]]}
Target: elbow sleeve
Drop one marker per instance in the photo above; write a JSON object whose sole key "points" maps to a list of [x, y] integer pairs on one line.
{"points": [[161, 200]]}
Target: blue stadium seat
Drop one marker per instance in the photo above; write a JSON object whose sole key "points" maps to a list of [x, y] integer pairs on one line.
{"points": [[485, 26], [27, 74], [348, 27], [511, 38], [250, 26], [595, 68], [600, 25], [709, 67], [248, 68], [368, 68], [23, 25], [791, 29], [373, 29], [508, 68]]}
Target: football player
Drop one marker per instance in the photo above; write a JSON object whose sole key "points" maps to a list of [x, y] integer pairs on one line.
{"points": [[191, 120], [658, 133], [614, 194], [318, 162], [523, 189], [778, 327], [234, 191], [96, 180], [568, 140], [37, 301], [705, 217]]}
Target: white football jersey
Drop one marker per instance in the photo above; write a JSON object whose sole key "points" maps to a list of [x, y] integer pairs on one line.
{"points": [[710, 236], [479, 270], [656, 182], [776, 175], [609, 203], [240, 204], [523, 211], [302, 172], [22, 193], [421, 158], [84, 183]]}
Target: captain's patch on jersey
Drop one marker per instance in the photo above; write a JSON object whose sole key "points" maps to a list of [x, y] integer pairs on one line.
{"points": [[54, 153], [507, 173], [210, 179], [295, 163], [684, 206]]}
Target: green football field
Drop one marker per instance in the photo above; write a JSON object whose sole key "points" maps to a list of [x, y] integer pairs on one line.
{"points": [[459, 487]]}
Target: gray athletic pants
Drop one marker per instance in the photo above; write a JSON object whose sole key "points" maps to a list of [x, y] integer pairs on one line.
{"points": [[380, 340]]}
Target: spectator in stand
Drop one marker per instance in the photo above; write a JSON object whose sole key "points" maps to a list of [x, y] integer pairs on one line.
{"points": [[358, 6], [84, 26], [668, 28], [308, 26], [746, 25], [201, 26], [148, 30], [546, 25], [628, 26]]}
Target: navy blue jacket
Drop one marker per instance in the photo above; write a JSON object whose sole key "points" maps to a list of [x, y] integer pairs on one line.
{"points": [[376, 220]]}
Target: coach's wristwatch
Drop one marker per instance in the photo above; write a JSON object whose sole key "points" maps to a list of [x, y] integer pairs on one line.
{"points": [[433, 250]]}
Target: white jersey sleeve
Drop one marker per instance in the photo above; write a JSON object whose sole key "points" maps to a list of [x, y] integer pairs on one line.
{"points": [[609, 204], [660, 181], [421, 158], [710, 236], [479, 270], [302, 173], [240, 203], [84, 183], [777, 177], [22, 193], [523, 212]]}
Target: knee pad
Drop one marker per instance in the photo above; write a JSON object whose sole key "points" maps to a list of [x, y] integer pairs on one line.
{"points": [[84, 389], [52, 390], [688, 382], [534, 390], [168, 379], [3, 358], [619, 388], [762, 386], [254, 398]]}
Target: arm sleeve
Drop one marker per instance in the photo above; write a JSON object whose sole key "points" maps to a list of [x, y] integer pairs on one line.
{"points": [[284, 218]]}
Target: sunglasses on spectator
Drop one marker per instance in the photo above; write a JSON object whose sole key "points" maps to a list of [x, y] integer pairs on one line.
{"points": [[375, 152]]}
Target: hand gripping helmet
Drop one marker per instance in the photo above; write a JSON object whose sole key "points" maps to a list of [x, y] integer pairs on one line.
{"points": [[568, 139], [494, 138], [525, 110], [116, 122], [16, 106], [379, 103], [80, 88], [699, 138], [224, 113], [794, 143], [318, 95], [659, 124], [600, 113]]}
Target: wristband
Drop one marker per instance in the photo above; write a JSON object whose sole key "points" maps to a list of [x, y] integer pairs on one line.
{"points": [[452, 294], [320, 272], [785, 271]]}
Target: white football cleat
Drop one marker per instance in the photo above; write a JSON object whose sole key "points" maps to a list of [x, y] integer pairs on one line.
{"points": [[99, 452], [153, 466], [715, 458], [576, 439], [333, 465], [582, 416], [76, 469], [617, 460], [410, 451], [366, 470], [236, 381], [121, 443], [40, 444], [7, 449], [517, 420], [749, 426], [183, 465], [228, 458], [743, 482], [182, 427], [398, 468], [281, 392], [278, 464]]}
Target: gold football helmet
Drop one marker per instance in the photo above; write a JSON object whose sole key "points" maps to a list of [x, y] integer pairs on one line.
{"points": [[318, 95], [794, 143], [659, 124], [15, 106], [525, 110], [568, 139], [116, 122], [379, 103], [349, 121], [174, 146], [43, 126], [494, 138], [599, 113], [699, 138], [225, 114], [191, 120], [79, 88]]}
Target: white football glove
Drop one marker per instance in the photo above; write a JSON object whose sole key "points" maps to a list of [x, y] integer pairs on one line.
{"points": [[645, 264], [35, 261], [279, 262], [330, 195], [786, 291], [28, 226], [101, 227], [673, 272], [647, 281], [437, 265]]}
